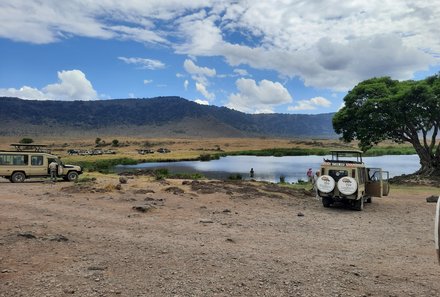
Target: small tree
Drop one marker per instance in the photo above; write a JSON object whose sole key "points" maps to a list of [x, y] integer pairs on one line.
{"points": [[26, 140], [115, 142], [98, 141]]}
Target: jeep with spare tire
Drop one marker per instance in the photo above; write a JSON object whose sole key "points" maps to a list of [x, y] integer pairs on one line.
{"points": [[30, 161], [345, 178]]}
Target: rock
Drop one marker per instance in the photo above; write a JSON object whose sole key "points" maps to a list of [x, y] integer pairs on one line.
{"points": [[432, 199], [226, 210], [186, 182], [59, 238], [96, 268], [118, 187], [27, 235], [143, 208], [174, 190], [230, 240], [206, 221], [123, 179], [300, 214], [144, 191]]}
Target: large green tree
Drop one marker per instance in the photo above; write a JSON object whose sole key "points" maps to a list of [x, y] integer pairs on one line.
{"points": [[403, 111]]}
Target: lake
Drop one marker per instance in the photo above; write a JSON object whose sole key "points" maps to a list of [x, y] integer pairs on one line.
{"points": [[293, 168]]}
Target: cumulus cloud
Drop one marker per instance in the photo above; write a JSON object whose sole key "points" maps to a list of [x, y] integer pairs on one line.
{"points": [[310, 104], [72, 85], [147, 81], [143, 63], [258, 98], [327, 44]]}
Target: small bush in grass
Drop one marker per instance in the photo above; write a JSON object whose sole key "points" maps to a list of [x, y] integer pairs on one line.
{"points": [[236, 176]]}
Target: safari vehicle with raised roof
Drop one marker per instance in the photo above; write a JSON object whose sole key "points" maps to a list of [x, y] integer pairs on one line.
{"points": [[345, 178], [29, 161]]}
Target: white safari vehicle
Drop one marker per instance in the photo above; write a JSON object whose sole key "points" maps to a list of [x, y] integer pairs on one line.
{"points": [[30, 161], [344, 178]]}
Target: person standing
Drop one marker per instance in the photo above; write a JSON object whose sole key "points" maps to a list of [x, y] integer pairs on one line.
{"points": [[251, 173], [315, 183], [53, 167], [310, 175]]}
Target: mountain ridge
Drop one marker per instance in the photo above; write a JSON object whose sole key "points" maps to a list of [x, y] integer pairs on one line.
{"points": [[159, 116]]}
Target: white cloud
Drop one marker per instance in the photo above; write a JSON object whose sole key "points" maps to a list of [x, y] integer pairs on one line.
{"points": [[241, 72], [258, 98], [202, 89], [193, 69], [143, 63], [327, 44], [147, 81], [72, 85], [310, 104], [185, 84], [201, 102]]}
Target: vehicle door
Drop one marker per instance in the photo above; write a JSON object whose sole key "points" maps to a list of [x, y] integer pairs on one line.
{"points": [[377, 182], [37, 165]]}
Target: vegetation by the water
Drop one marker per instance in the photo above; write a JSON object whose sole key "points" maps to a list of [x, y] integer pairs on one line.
{"points": [[162, 173], [105, 165]]}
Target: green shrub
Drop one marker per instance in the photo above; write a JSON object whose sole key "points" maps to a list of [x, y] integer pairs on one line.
{"points": [[26, 140], [235, 176]]}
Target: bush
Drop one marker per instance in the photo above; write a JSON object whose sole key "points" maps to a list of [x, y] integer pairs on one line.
{"points": [[26, 140], [115, 142], [236, 176]]}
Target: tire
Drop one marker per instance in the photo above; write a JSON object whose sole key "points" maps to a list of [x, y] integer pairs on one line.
{"points": [[326, 201], [72, 176], [18, 177], [359, 204]]}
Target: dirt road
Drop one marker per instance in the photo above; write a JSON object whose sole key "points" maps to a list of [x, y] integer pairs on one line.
{"points": [[210, 239]]}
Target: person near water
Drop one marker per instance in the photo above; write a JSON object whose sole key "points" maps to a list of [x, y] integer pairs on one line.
{"points": [[251, 173], [310, 175]]}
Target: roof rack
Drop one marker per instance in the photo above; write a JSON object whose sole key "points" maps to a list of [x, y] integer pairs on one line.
{"points": [[30, 147]]}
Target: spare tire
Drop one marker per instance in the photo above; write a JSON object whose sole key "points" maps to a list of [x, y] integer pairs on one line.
{"points": [[325, 183], [347, 185]]}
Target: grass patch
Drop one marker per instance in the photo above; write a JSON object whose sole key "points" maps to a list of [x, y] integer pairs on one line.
{"points": [[390, 150]]}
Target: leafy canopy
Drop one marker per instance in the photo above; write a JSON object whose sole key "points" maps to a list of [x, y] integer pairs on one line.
{"points": [[381, 108]]}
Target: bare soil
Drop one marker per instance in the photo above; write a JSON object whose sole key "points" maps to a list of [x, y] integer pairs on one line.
{"points": [[210, 238]]}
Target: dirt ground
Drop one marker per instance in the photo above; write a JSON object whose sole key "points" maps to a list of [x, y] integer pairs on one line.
{"points": [[210, 238]]}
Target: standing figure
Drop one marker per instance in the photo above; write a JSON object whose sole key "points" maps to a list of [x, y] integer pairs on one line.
{"points": [[53, 167], [310, 175], [251, 173]]}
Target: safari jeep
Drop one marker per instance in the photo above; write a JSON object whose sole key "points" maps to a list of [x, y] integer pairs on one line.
{"points": [[20, 165], [344, 178]]}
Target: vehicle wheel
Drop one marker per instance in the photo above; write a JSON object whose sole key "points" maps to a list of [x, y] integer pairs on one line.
{"points": [[18, 177], [72, 176], [359, 204], [326, 201], [369, 200]]}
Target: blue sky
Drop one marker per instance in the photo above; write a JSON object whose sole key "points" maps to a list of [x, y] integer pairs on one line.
{"points": [[262, 57]]}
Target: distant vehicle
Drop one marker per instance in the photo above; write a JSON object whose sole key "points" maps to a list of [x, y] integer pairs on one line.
{"points": [[73, 152], [344, 178], [163, 150], [145, 151], [17, 166]]}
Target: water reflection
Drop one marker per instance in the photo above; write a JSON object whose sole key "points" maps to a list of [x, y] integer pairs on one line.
{"points": [[271, 169]]}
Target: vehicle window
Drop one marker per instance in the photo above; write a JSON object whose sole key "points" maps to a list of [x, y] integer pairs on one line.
{"points": [[14, 159], [37, 160], [337, 174]]}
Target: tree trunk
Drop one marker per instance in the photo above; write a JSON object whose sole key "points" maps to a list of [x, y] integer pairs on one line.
{"points": [[430, 166]]}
